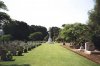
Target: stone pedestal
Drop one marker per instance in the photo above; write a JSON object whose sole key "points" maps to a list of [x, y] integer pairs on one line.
{"points": [[49, 40]]}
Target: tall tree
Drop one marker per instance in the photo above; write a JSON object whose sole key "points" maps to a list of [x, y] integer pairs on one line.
{"points": [[3, 16], [35, 28], [54, 32], [18, 29], [94, 23]]}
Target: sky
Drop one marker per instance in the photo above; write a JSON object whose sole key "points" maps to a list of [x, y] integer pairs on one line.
{"points": [[49, 13]]}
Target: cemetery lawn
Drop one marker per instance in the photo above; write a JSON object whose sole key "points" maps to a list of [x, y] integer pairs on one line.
{"points": [[49, 55]]}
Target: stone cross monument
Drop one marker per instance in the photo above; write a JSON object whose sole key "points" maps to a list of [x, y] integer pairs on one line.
{"points": [[49, 39]]}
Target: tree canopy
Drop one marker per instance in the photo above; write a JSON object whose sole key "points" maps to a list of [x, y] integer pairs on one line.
{"points": [[94, 23]]}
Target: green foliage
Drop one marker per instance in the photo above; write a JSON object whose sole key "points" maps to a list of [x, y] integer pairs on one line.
{"points": [[46, 38], [54, 32], [35, 28], [76, 33], [37, 36], [18, 29], [59, 39], [3, 16], [6, 37], [21, 30], [94, 24], [2, 5]]}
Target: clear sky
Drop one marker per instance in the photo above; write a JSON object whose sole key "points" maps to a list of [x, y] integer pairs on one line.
{"points": [[49, 13]]}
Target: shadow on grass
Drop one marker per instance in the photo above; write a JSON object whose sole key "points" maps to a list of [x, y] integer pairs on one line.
{"points": [[16, 65]]}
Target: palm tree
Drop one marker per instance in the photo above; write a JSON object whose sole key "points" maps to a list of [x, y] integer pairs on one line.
{"points": [[4, 17], [3, 6]]}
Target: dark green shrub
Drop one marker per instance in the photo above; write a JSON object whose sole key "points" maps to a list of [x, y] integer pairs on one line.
{"points": [[25, 50], [20, 53], [29, 49]]}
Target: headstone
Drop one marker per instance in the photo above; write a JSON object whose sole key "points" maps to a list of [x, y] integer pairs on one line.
{"points": [[63, 43], [9, 56], [81, 47], [89, 46]]}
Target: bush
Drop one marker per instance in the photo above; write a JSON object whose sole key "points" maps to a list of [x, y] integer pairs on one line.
{"points": [[5, 37], [20, 53], [29, 49], [25, 50], [37, 36]]}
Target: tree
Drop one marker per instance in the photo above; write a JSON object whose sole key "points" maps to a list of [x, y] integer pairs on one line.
{"points": [[21, 30], [59, 39], [3, 16], [37, 36], [3, 6], [18, 29], [54, 32], [35, 28], [75, 33], [6, 37], [46, 38], [94, 24]]}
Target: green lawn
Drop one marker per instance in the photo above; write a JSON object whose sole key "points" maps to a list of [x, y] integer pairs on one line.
{"points": [[49, 55]]}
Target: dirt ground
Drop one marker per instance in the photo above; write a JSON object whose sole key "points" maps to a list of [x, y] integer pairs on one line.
{"points": [[92, 57]]}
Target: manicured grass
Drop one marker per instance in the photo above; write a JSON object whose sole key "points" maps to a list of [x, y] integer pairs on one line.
{"points": [[50, 55]]}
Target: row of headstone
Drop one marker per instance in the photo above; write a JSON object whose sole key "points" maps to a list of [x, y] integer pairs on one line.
{"points": [[16, 48]]}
